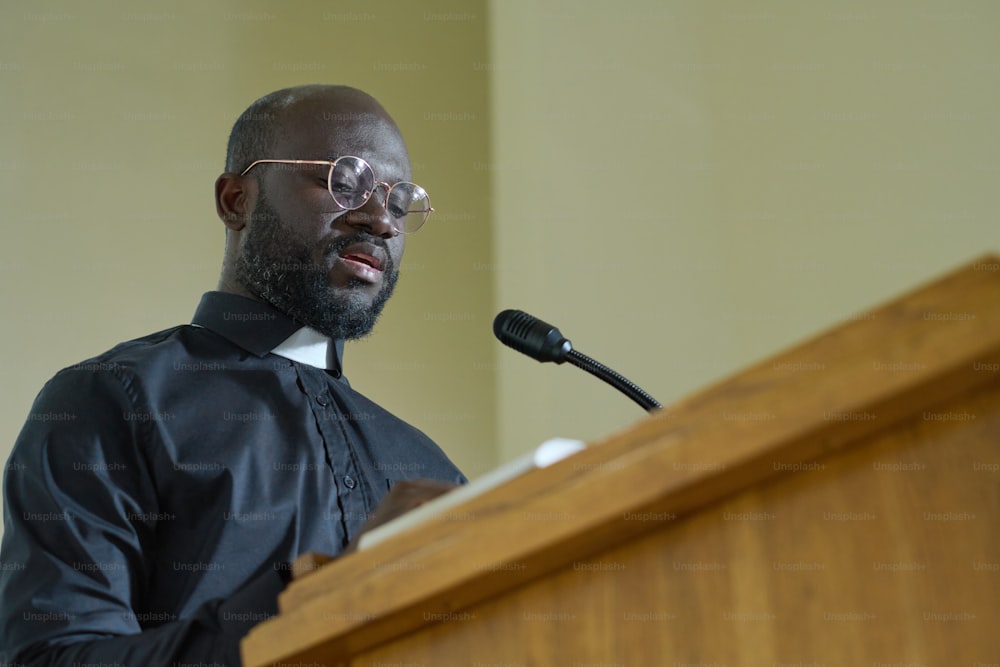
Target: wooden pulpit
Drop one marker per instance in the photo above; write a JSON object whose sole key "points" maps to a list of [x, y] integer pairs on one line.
{"points": [[836, 505]]}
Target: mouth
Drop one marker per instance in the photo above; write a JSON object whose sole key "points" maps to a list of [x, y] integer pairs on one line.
{"points": [[362, 258], [365, 261]]}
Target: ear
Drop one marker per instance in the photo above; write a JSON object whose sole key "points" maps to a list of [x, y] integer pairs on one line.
{"points": [[234, 198]]}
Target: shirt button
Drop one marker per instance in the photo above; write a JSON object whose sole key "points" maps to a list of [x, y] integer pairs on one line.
{"points": [[323, 400], [349, 482]]}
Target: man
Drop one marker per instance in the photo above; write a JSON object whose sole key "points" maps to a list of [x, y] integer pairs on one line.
{"points": [[154, 521]]}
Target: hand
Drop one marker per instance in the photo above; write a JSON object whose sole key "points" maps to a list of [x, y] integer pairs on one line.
{"points": [[404, 496]]}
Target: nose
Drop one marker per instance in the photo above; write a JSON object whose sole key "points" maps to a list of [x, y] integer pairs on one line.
{"points": [[372, 217]]}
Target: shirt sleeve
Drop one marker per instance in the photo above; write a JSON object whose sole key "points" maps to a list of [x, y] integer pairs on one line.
{"points": [[76, 546]]}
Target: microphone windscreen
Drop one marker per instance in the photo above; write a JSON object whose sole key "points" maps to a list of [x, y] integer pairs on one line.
{"points": [[531, 336]]}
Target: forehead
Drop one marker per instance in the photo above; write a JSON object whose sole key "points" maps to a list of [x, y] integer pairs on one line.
{"points": [[314, 130]]}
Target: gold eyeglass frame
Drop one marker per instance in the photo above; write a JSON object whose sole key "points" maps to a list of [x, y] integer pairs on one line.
{"points": [[368, 195]]}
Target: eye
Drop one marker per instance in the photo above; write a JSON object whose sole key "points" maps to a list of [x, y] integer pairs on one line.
{"points": [[345, 183]]}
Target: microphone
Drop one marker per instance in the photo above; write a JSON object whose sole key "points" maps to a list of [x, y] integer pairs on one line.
{"points": [[543, 342]]}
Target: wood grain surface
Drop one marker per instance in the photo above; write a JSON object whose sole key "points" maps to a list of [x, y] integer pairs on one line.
{"points": [[833, 505]]}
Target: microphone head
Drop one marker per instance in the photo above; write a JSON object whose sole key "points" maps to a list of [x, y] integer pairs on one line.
{"points": [[531, 336]]}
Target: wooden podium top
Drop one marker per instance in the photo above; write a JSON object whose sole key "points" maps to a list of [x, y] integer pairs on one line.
{"points": [[817, 399]]}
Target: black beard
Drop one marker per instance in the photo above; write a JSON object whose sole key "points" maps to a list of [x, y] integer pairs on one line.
{"points": [[277, 268]]}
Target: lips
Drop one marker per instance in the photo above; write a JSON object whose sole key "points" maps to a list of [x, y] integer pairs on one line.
{"points": [[362, 258], [368, 254], [359, 261]]}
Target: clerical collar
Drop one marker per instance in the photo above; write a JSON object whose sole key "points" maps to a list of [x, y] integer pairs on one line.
{"points": [[309, 346], [261, 329]]}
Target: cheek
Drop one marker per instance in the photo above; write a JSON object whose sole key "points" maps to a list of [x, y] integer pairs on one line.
{"points": [[310, 208], [315, 226], [396, 250]]}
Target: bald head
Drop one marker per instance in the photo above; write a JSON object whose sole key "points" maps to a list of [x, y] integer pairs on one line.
{"points": [[289, 242], [264, 122]]}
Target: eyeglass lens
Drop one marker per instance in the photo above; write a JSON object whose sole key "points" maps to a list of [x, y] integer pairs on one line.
{"points": [[352, 182]]}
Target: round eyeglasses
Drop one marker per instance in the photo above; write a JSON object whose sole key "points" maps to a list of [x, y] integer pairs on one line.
{"points": [[351, 182]]}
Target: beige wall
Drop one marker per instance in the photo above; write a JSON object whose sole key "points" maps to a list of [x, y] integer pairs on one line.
{"points": [[685, 187], [113, 124], [681, 187]]}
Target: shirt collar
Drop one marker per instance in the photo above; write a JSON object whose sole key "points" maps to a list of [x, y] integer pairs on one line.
{"points": [[309, 346], [262, 329]]}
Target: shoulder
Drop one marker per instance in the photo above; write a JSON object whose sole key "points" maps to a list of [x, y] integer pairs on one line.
{"points": [[118, 379], [137, 354], [144, 356]]}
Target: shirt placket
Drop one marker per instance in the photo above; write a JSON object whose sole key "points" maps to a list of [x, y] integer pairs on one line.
{"points": [[339, 452]]}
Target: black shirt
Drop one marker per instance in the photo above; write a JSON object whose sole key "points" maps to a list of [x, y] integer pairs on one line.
{"points": [[157, 493]]}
